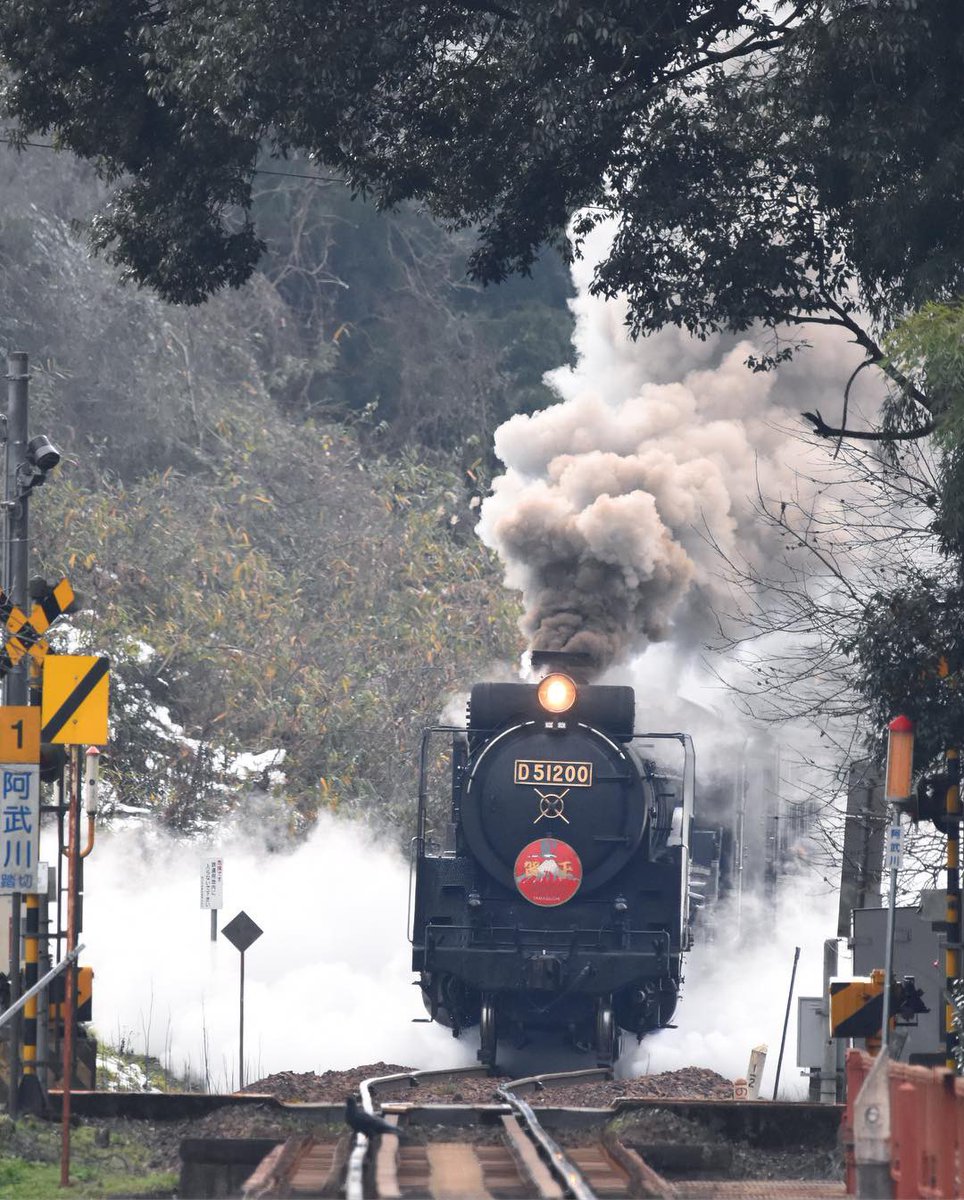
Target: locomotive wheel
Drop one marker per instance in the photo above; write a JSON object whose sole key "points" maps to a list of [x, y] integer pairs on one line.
{"points": [[607, 1034], [489, 1039]]}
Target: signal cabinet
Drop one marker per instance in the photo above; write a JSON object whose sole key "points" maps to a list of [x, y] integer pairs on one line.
{"points": [[918, 951]]}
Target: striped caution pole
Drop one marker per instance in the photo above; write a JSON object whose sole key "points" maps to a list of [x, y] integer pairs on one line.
{"points": [[31, 956], [32, 1098], [953, 911]]}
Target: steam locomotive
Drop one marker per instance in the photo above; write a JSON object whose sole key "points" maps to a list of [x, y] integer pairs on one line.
{"points": [[560, 903]]}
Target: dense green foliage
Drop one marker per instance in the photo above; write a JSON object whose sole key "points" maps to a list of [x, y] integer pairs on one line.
{"points": [[509, 114], [761, 162], [30, 1163], [388, 325], [264, 580], [773, 165], [907, 643]]}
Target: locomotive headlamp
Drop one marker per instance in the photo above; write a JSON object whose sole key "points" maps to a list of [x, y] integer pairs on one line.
{"points": [[557, 693]]}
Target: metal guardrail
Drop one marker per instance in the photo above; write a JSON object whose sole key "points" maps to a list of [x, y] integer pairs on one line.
{"points": [[39, 986], [542, 1083], [564, 1169], [355, 1179]]}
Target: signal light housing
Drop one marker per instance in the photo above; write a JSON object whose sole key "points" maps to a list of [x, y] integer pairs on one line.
{"points": [[557, 693], [900, 759], [53, 760], [929, 802]]}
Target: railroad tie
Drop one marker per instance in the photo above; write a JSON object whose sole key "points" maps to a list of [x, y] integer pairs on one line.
{"points": [[386, 1165], [455, 1172]]}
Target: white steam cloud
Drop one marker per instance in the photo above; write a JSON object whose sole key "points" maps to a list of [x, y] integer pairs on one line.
{"points": [[736, 988], [327, 986]]}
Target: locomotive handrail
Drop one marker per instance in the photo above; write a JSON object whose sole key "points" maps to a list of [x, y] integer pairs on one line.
{"points": [[413, 856], [577, 939]]}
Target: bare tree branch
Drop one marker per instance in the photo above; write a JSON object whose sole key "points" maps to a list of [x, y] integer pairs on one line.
{"points": [[822, 429]]}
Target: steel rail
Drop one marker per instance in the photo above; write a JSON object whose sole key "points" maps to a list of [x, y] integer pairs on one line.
{"points": [[564, 1169], [355, 1175], [543, 1082]]}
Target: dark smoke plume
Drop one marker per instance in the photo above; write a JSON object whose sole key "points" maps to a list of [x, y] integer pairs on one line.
{"points": [[615, 503]]}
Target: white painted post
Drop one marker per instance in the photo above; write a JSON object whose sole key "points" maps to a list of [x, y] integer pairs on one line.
{"points": [[754, 1072]]}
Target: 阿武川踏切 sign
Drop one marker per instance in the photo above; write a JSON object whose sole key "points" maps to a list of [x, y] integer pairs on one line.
{"points": [[19, 826]]}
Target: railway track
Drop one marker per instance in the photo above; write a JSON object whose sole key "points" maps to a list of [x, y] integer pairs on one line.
{"points": [[499, 1151]]}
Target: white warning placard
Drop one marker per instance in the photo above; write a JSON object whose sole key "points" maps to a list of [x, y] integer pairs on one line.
{"points": [[212, 883]]}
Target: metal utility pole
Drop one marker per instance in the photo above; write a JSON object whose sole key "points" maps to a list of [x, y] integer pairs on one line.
{"points": [[16, 507], [70, 979], [15, 683], [952, 953], [786, 1019]]}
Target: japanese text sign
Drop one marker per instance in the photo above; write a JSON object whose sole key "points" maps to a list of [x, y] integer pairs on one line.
{"points": [[19, 827], [212, 883], [895, 847]]}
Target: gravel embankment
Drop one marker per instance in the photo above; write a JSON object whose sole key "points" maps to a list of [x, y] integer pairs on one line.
{"points": [[332, 1087]]}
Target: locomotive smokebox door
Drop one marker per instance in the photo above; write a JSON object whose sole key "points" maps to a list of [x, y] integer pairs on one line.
{"points": [[529, 784]]}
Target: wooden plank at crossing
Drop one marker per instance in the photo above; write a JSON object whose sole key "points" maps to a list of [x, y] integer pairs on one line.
{"points": [[74, 699], [19, 733]]}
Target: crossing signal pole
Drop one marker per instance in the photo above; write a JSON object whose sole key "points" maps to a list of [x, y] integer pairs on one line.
{"points": [[27, 461], [937, 798], [15, 681], [952, 950], [897, 790]]}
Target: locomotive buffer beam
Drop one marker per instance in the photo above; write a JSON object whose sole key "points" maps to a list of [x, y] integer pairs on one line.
{"points": [[506, 969]]}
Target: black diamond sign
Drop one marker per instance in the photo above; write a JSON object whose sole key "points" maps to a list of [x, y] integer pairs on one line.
{"points": [[241, 931]]}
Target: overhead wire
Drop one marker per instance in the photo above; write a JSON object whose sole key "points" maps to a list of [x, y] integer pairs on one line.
{"points": [[11, 140]]}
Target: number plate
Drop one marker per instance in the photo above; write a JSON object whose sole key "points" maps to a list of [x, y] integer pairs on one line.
{"points": [[565, 774], [19, 733]]}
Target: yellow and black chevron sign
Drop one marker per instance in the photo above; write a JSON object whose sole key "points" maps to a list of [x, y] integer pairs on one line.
{"points": [[74, 700], [857, 1006], [25, 634]]}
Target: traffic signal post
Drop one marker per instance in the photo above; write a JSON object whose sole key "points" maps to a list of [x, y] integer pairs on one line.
{"points": [[15, 681], [937, 798], [897, 788], [952, 952], [51, 703]]}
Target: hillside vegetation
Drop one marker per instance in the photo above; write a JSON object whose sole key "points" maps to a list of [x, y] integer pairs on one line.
{"points": [[269, 499]]}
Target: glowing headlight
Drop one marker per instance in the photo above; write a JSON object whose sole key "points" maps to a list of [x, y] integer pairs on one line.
{"points": [[557, 693]]}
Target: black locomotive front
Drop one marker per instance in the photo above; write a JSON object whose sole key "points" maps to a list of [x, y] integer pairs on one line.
{"points": [[561, 905]]}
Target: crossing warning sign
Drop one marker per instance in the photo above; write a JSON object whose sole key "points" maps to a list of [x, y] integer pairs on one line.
{"points": [[24, 635], [74, 699]]}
